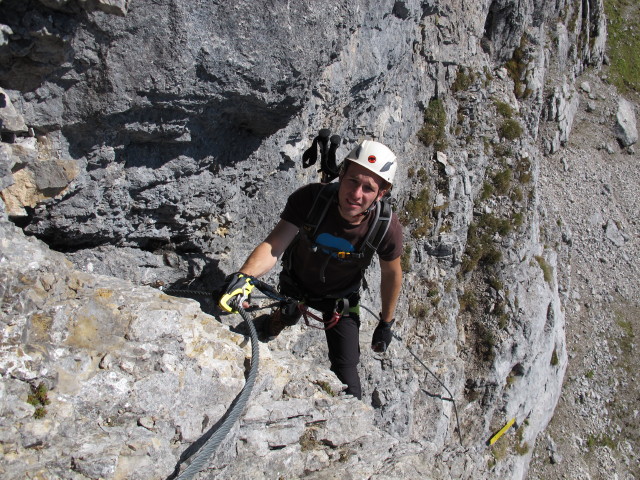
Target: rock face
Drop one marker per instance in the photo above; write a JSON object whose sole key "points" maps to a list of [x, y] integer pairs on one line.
{"points": [[626, 127], [157, 142]]}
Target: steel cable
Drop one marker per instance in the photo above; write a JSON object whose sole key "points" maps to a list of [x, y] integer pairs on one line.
{"points": [[207, 450], [406, 346]]}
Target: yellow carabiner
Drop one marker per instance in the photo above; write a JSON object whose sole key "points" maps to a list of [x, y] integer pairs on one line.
{"points": [[241, 292]]}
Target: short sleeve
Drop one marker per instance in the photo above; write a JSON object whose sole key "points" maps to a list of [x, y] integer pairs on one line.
{"points": [[391, 246]]}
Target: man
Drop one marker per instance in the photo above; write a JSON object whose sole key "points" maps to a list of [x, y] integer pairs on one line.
{"points": [[324, 268]]}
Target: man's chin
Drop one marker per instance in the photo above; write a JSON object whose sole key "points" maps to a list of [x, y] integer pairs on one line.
{"points": [[351, 212]]}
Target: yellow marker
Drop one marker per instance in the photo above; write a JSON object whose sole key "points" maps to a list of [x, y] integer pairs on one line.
{"points": [[495, 438]]}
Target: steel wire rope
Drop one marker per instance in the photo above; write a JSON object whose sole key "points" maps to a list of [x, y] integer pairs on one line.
{"points": [[210, 446], [216, 438], [450, 399]]}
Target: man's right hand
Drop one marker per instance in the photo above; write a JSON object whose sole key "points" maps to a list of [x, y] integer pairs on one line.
{"points": [[238, 288]]}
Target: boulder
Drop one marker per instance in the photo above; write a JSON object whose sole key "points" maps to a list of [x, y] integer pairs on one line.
{"points": [[626, 129]]}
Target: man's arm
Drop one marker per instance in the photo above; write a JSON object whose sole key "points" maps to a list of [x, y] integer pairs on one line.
{"points": [[265, 256], [390, 285]]}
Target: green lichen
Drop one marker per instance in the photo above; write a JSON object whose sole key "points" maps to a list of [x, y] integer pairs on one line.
{"points": [[510, 129], [433, 132], [39, 398]]}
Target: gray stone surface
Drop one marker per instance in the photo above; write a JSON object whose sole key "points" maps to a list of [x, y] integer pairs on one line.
{"points": [[162, 141], [626, 128], [10, 120]]}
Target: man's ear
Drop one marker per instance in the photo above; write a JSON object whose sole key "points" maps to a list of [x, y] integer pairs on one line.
{"points": [[382, 193]]}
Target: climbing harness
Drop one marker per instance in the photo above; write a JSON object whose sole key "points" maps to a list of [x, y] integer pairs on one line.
{"points": [[341, 309]]}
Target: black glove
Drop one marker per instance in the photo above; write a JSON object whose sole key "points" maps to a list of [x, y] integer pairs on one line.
{"points": [[238, 288], [382, 336]]}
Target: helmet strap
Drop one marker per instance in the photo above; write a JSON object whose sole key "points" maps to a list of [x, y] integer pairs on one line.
{"points": [[368, 210]]}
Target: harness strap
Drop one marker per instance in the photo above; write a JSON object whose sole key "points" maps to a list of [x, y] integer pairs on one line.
{"points": [[341, 309], [319, 208]]}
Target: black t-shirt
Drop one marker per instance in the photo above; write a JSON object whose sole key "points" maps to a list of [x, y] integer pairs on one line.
{"points": [[335, 233]]}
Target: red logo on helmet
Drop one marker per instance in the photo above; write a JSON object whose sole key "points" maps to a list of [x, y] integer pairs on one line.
{"points": [[372, 159]]}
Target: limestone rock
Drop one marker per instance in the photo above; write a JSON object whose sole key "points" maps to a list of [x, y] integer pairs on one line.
{"points": [[166, 138], [10, 120], [626, 129]]}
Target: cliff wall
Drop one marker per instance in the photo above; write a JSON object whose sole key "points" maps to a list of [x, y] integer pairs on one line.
{"points": [[154, 143]]}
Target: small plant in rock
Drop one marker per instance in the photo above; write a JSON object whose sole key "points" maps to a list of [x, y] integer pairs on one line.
{"points": [[502, 181], [493, 224], [518, 219], [554, 358], [405, 259], [504, 109], [464, 79], [502, 150], [416, 212], [602, 440], [435, 121], [495, 283], [345, 455], [521, 448], [435, 301], [517, 67], [468, 301], [308, 441], [487, 191], [516, 195], [418, 310], [523, 171], [510, 129], [433, 289], [39, 398], [480, 251], [325, 387], [500, 450], [503, 321], [547, 270]]}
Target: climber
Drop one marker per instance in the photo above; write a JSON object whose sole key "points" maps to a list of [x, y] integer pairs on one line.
{"points": [[326, 238]]}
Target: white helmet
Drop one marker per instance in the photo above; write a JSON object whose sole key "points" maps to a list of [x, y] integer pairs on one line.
{"points": [[375, 157]]}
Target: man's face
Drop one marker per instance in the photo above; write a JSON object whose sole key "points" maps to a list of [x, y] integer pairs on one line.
{"points": [[359, 188]]}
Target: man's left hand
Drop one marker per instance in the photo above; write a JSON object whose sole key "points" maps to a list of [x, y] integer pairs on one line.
{"points": [[382, 336]]}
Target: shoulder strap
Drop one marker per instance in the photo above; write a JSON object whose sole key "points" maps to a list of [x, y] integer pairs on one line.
{"points": [[378, 230], [374, 237], [319, 208]]}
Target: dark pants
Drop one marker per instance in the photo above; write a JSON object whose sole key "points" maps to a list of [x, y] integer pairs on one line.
{"points": [[342, 339], [344, 351]]}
